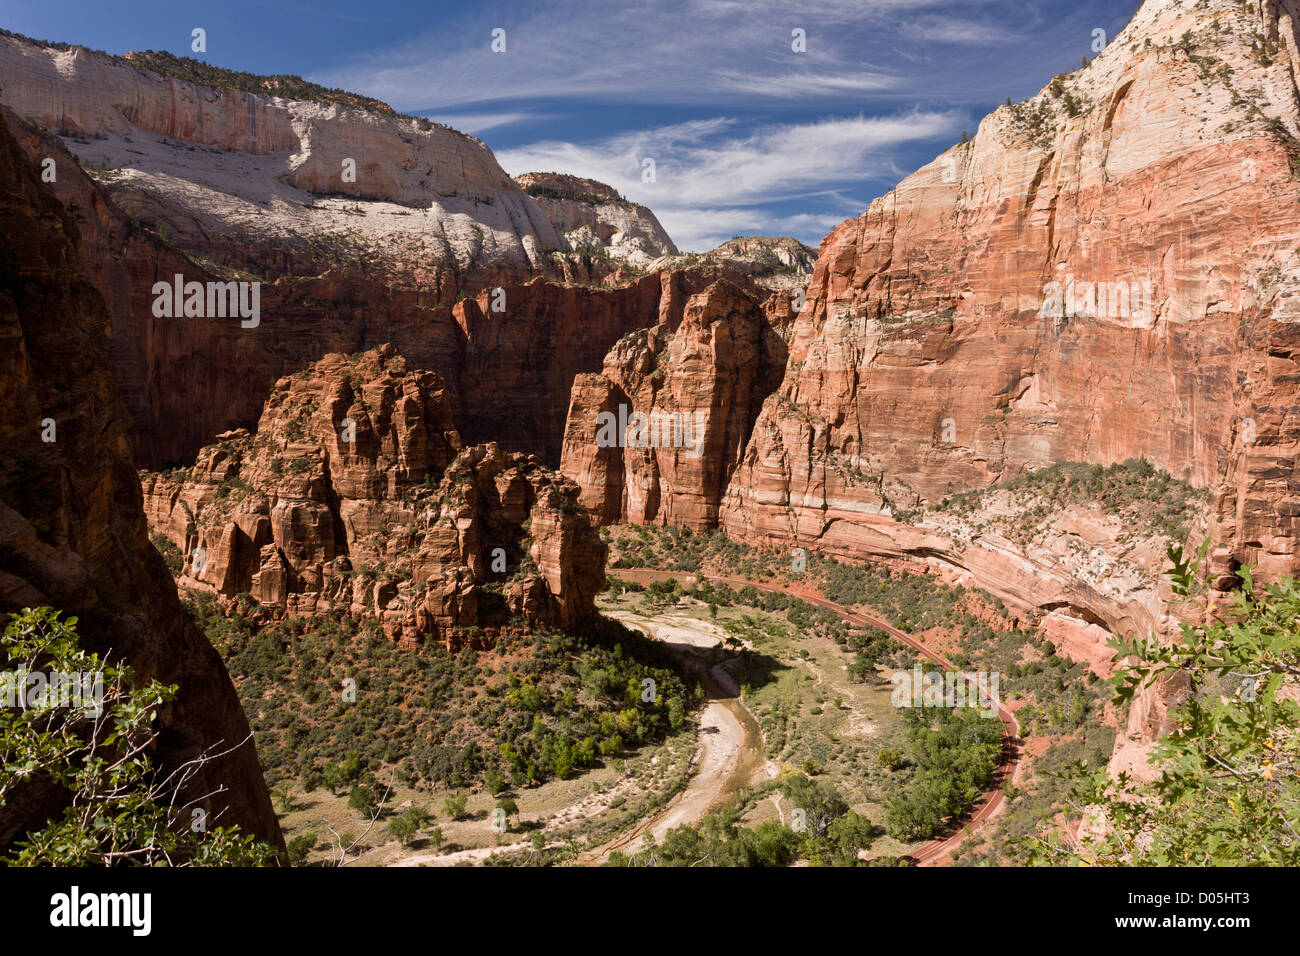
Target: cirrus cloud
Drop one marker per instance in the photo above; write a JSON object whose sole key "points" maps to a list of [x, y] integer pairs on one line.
{"points": [[713, 181]]}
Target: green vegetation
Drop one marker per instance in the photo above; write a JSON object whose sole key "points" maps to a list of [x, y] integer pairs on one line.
{"points": [[1228, 792], [170, 553], [956, 755], [119, 811], [407, 824], [1135, 490], [299, 847], [30, 41], [826, 833], [1035, 120], [596, 199], [1055, 697], [283, 85], [540, 705]]}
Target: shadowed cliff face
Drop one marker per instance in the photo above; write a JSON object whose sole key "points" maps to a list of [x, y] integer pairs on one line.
{"points": [[72, 528], [656, 436]]}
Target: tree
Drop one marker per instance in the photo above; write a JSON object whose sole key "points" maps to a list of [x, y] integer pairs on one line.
{"points": [[362, 798], [454, 806], [849, 834], [1228, 792], [284, 796], [403, 828], [311, 779], [820, 802], [121, 807], [676, 713], [299, 847], [337, 777]]}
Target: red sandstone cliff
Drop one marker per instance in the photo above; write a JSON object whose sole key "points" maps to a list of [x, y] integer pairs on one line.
{"points": [[72, 530], [935, 353], [656, 436], [355, 496], [1104, 272]]}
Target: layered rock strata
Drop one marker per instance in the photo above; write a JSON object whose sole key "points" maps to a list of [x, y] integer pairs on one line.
{"points": [[355, 496], [72, 528]]}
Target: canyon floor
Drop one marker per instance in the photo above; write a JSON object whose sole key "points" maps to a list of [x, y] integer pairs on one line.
{"points": [[722, 759]]}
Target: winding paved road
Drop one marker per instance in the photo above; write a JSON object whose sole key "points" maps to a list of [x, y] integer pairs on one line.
{"points": [[936, 851]]}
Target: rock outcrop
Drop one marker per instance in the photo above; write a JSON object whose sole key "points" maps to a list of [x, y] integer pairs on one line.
{"points": [[1104, 272], [72, 530], [593, 217], [355, 496], [656, 436], [224, 167], [776, 262]]}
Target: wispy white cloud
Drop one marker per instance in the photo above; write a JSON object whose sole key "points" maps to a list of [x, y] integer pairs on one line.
{"points": [[475, 123], [954, 30], [656, 51], [732, 58], [712, 182], [795, 85]]}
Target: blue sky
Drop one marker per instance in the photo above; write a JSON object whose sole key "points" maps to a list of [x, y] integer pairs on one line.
{"points": [[747, 135]]}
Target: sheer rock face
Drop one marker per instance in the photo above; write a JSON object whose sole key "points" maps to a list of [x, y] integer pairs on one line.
{"points": [[507, 357], [655, 437], [936, 355], [1107, 271], [72, 531], [590, 215], [355, 496], [237, 161]]}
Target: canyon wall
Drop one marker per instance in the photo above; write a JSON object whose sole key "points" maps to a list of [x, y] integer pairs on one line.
{"points": [[507, 358], [691, 390], [1102, 273], [1106, 271], [72, 527], [264, 157]]}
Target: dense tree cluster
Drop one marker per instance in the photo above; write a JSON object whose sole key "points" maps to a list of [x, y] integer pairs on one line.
{"points": [[540, 705]]}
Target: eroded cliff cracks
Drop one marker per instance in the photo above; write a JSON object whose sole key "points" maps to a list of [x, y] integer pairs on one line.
{"points": [[356, 496], [1104, 272], [72, 527]]}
